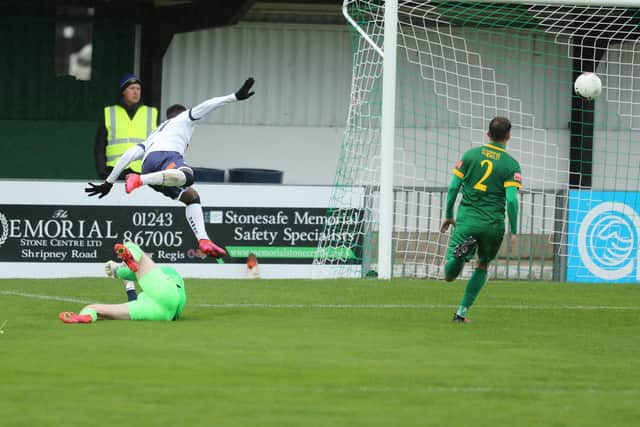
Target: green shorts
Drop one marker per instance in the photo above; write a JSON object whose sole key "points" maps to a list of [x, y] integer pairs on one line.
{"points": [[488, 236], [162, 298]]}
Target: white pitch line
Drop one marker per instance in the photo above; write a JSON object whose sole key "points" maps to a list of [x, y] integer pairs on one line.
{"points": [[418, 306], [352, 306], [44, 297], [355, 389], [432, 389]]}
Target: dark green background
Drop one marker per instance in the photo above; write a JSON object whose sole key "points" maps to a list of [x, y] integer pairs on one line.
{"points": [[48, 122]]}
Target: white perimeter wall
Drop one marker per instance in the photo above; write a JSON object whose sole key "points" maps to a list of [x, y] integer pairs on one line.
{"points": [[308, 155], [294, 123]]}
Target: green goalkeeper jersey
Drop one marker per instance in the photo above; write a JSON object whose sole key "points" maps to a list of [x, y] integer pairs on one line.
{"points": [[485, 173]]}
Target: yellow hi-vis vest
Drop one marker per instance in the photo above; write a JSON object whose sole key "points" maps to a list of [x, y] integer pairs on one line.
{"points": [[124, 132]]}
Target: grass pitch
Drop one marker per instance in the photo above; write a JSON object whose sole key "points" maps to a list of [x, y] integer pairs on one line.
{"points": [[324, 353]]}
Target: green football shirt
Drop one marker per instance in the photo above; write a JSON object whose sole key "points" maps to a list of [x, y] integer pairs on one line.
{"points": [[485, 173]]}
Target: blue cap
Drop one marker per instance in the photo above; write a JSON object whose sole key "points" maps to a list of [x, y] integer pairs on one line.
{"points": [[127, 80]]}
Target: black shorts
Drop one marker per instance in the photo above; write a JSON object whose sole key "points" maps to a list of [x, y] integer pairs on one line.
{"points": [[162, 160]]}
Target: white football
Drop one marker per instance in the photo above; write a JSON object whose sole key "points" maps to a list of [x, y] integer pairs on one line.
{"points": [[588, 86]]}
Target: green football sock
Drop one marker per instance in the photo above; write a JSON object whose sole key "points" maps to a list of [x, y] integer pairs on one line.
{"points": [[135, 250], [453, 267], [475, 283], [91, 312]]}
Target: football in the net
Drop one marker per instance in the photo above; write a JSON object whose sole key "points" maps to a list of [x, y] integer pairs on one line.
{"points": [[588, 86]]}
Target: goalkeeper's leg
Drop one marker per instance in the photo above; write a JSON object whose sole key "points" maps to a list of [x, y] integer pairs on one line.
{"points": [[93, 312], [106, 312], [135, 258]]}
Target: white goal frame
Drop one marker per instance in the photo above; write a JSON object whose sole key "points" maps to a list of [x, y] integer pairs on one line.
{"points": [[388, 53]]}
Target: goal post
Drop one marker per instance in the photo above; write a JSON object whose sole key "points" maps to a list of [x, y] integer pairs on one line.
{"points": [[428, 76], [385, 253]]}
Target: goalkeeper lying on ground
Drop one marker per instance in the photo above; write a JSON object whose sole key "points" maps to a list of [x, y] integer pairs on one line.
{"points": [[162, 298]]}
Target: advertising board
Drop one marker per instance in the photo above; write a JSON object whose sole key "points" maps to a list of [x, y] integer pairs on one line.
{"points": [[52, 229], [604, 227]]}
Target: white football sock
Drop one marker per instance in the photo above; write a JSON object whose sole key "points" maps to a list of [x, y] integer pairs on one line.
{"points": [[167, 178], [195, 218]]}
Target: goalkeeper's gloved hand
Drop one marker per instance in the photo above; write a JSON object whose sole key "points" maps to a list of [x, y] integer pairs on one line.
{"points": [[110, 268], [243, 92], [102, 189]]}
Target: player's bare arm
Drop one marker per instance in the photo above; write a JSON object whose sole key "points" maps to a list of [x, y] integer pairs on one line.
{"points": [[448, 222]]}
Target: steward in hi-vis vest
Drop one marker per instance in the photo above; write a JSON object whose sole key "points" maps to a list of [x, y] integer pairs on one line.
{"points": [[123, 125]]}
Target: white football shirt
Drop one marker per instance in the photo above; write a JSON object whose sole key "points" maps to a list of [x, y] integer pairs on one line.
{"points": [[175, 134]]}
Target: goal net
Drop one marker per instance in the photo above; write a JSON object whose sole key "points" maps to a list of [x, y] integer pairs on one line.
{"points": [[459, 64]]}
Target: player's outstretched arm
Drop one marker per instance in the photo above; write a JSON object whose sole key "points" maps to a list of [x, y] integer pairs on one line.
{"points": [[245, 91], [211, 104]]}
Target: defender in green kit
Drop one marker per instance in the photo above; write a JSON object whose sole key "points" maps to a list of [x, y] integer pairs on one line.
{"points": [[489, 178]]}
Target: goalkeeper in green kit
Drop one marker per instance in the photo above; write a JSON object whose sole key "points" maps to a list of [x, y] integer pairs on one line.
{"points": [[163, 293], [489, 177]]}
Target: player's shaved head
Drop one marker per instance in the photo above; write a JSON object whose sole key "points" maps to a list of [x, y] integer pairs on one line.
{"points": [[499, 129], [174, 110]]}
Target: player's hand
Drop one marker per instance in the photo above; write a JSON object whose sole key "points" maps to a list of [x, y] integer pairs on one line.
{"points": [[446, 224], [102, 189], [110, 268], [243, 92], [512, 243]]}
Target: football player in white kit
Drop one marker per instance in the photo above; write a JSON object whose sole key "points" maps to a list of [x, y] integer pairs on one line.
{"points": [[163, 165]]}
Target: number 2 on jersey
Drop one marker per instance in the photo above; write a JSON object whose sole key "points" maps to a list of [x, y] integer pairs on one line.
{"points": [[479, 185]]}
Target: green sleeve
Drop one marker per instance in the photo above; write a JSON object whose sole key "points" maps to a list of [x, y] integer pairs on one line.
{"points": [[512, 208], [452, 194], [123, 272]]}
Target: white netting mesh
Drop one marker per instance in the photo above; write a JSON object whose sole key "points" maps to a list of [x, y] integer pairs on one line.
{"points": [[461, 64]]}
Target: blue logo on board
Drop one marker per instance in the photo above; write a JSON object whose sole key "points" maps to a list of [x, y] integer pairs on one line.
{"points": [[603, 237]]}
